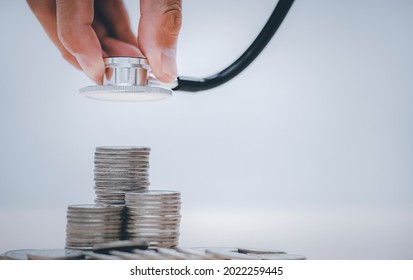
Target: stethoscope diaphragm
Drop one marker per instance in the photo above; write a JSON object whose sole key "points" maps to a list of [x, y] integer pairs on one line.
{"points": [[127, 79]]}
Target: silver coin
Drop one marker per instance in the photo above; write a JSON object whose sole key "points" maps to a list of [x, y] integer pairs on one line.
{"points": [[280, 257], [118, 176], [154, 233], [124, 175], [82, 248], [94, 224], [171, 254], [112, 219], [152, 215], [121, 171], [111, 191], [153, 238], [87, 242], [94, 213], [93, 230], [156, 193], [231, 255], [132, 161], [115, 154], [131, 224], [258, 251], [123, 154], [130, 256], [106, 200], [93, 207], [155, 210], [145, 154], [109, 196], [151, 206], [130, 176], [121, 181], [164, 244], [103, 216], [103, 198], [149, 254], [153, 200], [149, 228], [165, 200], [135, 162], [91, 235], [194, 254], [123, 148], [121, 187], [124, 245], [45, 254], [121, 165], [154, 228], [139, 219], [97, 256], [110, 202], [119, 168]]}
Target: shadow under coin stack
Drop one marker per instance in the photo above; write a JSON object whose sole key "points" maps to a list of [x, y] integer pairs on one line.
{"points": [[154, 216], [90, 224], [119, 170]]}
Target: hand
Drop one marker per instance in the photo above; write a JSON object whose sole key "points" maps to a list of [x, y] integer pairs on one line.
{"points": [[85, 31]]}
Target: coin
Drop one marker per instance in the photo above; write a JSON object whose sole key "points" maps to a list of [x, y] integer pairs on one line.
{"points": [[258, 251], [123, 245], [44, 254], [122, 148], [97, 256], [90, 224]]}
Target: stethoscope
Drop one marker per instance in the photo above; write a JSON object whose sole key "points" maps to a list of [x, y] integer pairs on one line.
{"points": [[130, 78]]}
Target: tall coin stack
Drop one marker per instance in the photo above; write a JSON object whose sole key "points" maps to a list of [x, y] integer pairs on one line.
{"points": [[90, 224], [119, 170], [154, 216]]}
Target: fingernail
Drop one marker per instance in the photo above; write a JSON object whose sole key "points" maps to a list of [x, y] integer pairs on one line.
{"points": [[94, 69], [169, 63]]}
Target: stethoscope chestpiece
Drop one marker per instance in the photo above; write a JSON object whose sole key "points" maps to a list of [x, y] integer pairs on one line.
{"points": [[127, 79]]}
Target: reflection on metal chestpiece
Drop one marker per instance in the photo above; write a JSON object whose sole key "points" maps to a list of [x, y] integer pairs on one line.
{"points": [[127, 79]]}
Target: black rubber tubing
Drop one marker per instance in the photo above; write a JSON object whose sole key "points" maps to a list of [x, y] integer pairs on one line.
{"points": [[199, 84]]}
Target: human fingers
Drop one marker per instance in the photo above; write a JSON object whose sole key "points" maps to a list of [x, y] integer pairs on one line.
{"points": [[158, 32], [114, 17], [111, 24], [74, 28], [45, 12]]}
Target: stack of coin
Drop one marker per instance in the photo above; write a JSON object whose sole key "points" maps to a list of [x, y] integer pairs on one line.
{"points": [[119, 170], [154, 216], [91, 224]]}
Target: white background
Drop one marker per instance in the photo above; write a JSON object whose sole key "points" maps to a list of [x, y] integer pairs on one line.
{"points": [[310, 150]]}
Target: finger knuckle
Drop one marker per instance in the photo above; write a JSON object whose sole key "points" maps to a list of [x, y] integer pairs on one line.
{"points": [[172, 18]]}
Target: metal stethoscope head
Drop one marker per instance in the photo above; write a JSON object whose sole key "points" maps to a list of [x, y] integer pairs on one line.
{"points": [[130, 78]]}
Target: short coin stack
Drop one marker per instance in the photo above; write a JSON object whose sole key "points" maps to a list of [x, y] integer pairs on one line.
{"points": [[154, 216], [119, 170], [90, 224]]}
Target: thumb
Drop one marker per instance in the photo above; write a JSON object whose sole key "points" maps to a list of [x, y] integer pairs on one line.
{"points": [[159, 27]]}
